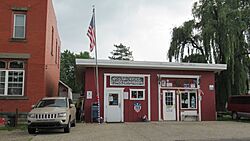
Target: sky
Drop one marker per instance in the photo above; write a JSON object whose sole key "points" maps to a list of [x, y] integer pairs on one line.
{"points": [[143, 25]]}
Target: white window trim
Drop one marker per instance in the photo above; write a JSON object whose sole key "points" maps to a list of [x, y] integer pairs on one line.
{"points": [[14, 25], [6, 82], [143, 90], [189, 107]]}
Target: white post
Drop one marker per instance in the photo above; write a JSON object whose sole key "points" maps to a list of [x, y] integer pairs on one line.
{"points": [[200, 97], [177, 106], [149, 96]]}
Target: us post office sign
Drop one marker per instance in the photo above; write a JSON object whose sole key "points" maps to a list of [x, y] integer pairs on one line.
{"points": [[127, 80]]}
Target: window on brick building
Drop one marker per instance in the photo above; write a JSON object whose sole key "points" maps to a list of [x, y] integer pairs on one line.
{"points": [[56, 52], [2, 64], [58, 56], [16, 65], [2, 82], [12, 79], [19, 26], [52, 41]]}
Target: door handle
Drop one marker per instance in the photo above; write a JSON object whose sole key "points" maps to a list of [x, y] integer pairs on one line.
{"points": [[119, 105]]}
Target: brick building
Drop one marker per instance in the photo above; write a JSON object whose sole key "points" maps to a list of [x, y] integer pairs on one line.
{"points": [[29, 53]]}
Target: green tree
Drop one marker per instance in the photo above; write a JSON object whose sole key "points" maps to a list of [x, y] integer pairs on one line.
{"points": [[194, 58], [220, 33], [83, 55], [121, 53], [68, 68]]}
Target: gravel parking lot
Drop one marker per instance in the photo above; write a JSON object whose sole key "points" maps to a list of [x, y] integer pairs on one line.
{"points": [[151, 131]]}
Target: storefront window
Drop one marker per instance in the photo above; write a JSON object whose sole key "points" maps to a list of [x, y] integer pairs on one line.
{"points": [[137, 94], [192, 100], [184, 100], [188, 100]]}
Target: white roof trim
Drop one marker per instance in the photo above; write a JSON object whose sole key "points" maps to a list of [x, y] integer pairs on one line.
{"points": [[84, 63], [65, 85]]}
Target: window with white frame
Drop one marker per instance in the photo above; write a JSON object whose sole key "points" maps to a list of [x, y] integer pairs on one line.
{"points": [[2, 77], [137, 94], [2, 82], [12, 79], [19, 26], [188, 100]]}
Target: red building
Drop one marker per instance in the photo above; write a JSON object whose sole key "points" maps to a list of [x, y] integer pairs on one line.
{"points": [[131, 90], [29, 53]]}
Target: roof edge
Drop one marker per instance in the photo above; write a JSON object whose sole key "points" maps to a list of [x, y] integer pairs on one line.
{"points": [[150, 65]]}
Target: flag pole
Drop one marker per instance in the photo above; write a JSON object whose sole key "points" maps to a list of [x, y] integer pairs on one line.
{"points": [[96, 70]]}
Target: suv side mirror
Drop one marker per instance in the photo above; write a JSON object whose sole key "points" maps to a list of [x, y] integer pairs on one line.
{"points": [[72, 105]]}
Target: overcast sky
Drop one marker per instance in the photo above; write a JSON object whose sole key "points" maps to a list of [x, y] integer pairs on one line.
{"points": [[143, 25]]}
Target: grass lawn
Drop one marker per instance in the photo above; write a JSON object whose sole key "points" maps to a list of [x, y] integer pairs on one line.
{"points": [[20, 126]]}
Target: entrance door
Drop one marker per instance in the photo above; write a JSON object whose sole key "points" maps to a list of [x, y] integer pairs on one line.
{"points": [[169, 106], [114, 105]]}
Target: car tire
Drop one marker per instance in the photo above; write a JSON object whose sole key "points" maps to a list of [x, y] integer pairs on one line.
{"points": [[73, 123], [32, 130], [235, 116], [67, 129]]}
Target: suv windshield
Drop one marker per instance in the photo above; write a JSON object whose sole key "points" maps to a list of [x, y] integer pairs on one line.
{"points": [[52, 103]]}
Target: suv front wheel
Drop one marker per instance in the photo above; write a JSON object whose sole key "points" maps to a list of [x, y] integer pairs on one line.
{"points": [[67, 129], [31, 130]]}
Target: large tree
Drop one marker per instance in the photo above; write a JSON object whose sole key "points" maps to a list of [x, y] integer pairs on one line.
{"points": [[121, 52], [219, 33], [68, 68]]}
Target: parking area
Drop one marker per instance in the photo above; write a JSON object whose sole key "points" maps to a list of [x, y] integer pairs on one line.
{"points": [[151, 131]]}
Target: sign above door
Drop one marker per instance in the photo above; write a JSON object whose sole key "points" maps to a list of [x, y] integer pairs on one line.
{"points": [[127, 80]]}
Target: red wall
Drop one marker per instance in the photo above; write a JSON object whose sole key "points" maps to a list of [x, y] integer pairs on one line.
{"points": [[208, 100], [41, 72]]}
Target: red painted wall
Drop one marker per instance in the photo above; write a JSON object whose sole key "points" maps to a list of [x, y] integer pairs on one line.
{"points": [[208, 100], [41, 71]]}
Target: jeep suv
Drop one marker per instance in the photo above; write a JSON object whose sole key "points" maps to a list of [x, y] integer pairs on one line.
{"points": [[52, 113]]}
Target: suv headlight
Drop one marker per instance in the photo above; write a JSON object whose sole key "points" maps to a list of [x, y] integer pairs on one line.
{"points": [[31, 115], [62, 114]]}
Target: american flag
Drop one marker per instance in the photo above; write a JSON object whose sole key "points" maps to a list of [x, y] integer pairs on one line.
{"points": [[91, 33]]}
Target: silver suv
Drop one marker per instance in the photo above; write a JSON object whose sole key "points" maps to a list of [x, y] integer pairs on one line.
{"points": [[52, 113]]}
